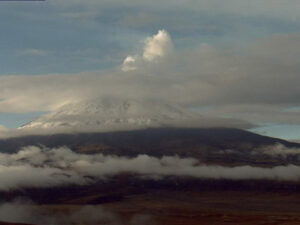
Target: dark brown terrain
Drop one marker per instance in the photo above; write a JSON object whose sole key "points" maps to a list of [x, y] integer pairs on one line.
{"points": [[5, 223], [178, 202]]}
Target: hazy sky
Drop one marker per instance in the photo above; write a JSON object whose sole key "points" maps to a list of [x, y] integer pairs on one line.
{"points": [[234, 58]]}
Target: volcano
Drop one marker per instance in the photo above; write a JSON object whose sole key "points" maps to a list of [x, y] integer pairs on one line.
{"points": [[128, 127], [115, 114], [88, 132]]}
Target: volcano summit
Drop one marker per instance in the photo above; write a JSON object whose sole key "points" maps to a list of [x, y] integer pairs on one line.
{"points": [[114, 114]]}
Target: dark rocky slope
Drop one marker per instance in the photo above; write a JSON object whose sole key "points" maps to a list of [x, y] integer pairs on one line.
{"points": [[204, 144]]}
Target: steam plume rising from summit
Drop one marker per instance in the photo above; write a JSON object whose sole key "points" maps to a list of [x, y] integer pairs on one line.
{"points": [[156, 49]]}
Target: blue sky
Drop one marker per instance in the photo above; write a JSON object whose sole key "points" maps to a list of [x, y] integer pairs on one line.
{"points": [[290, 132], [84, 42], [72, 37]]}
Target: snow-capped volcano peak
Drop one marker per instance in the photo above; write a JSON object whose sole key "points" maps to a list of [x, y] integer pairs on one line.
{"points": [[113, 114]]}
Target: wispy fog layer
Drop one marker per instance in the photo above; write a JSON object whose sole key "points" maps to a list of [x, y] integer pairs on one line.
{"points": [[278, 150], [24, 211], [42, 167]]}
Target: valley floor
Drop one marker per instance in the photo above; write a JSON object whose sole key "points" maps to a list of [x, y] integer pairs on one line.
{"points": [[198, 208], [192, 208]]}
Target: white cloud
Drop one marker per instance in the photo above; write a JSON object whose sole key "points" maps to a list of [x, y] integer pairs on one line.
{"points": [[278, 150], [129, 63], [36, 167], [156, 49], [158, 46]]}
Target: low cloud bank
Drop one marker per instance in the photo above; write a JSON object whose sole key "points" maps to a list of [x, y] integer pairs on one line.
{"points": [[42, 167], [24, 211], [273, 151], [278, 150]]}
